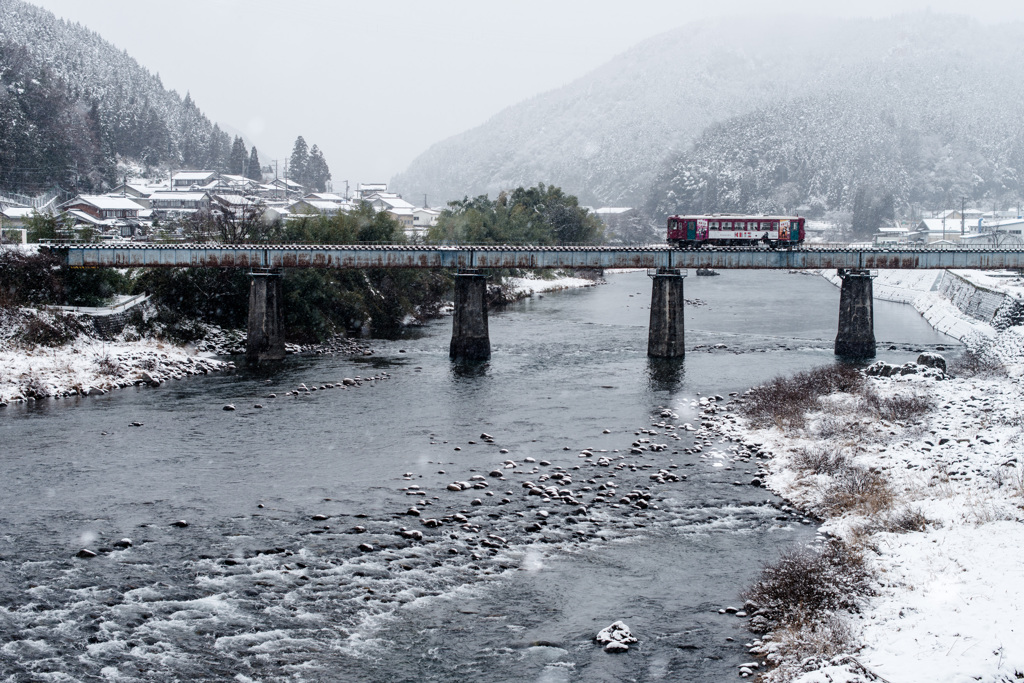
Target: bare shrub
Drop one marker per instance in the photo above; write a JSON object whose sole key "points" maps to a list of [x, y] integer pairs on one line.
{"points": [[108, 365], [856, 489], [807, 643], [785, 400], [901, 407], [53, 331], [806, 582], [821, 460], [902, 522], [976, 362]]}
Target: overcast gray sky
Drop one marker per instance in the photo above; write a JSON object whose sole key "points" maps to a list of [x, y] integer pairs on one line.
{"points": [[376, 83]]}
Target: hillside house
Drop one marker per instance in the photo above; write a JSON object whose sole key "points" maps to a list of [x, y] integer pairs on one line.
{"points": [[235, 205], [167, 204], [317, 206], [366, 190], [15, 216], [184, 181], [424, 218], [103, 208]]}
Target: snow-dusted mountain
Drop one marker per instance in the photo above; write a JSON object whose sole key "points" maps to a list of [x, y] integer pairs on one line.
{"points": [[824, 103], [71, 103]]}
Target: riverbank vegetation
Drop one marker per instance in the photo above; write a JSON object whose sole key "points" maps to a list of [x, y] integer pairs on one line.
{"points": [[912, 475]]}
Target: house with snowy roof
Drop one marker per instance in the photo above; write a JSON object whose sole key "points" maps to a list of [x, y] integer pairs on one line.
{"points": [[183, 181], [179, 203], [102, 207], [235, 205], [308, 206], [365, 190]]}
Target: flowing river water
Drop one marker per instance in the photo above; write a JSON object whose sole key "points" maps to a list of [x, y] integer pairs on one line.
{"points": [[267, 581]]}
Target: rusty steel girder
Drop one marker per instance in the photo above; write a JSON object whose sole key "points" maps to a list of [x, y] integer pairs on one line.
{"points": [[515, 256]]}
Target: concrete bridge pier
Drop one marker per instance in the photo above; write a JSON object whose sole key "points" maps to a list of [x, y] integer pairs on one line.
{"points": [[265, 340], [470, 338], [856, 337], [666, 334]]}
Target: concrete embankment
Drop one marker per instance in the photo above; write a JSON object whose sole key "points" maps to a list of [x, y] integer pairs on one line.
{"points": [[964, 304]]}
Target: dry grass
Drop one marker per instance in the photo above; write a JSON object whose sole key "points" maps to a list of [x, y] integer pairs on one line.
{"points": [[901, 407], [108, 365], [821, 460], [859, 490], [805, 644], [977, 363], [785, 401]]}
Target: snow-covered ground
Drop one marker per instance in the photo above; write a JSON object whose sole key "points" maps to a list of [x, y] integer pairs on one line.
{"points": [[86, 365], [947, 603], [526, 286]]}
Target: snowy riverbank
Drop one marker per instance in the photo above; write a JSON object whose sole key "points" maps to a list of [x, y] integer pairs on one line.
{"points": [[47, 354], [931, 490]]}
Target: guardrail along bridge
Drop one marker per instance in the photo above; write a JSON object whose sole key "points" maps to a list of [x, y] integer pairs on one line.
{"points": [[470, 339]]}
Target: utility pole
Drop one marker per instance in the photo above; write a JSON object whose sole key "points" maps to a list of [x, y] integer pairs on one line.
{"points": [[425, 205], [962, 209]]}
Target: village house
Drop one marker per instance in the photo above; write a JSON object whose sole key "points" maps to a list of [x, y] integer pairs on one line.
{"points": [[184, 181], [424, 218], [317, 206], [102, 208], [366, 190], [235, 205], [168, 204]]}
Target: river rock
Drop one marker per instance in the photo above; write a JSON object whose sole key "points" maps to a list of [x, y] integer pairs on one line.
{"points": [[616, 637], [85, 554], [228, 407], [932, 360], [181, 523]]}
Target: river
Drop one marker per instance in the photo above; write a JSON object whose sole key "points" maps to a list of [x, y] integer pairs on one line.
{"points": [[267, 581]]}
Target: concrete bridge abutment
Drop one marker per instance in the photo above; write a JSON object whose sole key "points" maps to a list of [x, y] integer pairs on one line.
{"points": [[856, 336], [470, 338], [665, 336], [265, 340]]}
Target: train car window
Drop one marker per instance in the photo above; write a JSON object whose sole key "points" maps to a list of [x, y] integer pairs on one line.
{"points": [[727, 225], [713, 225], [775, 225]]}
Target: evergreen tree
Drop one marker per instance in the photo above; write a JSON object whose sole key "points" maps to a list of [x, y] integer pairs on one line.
{"points": [[236, 161], [253, 170], [217, 150], [317, 172], [299, 161]]}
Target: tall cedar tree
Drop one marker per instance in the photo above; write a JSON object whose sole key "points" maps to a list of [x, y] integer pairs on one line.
{"points": [[236, 162], [299, 161], [317, 172], [253, 169]]}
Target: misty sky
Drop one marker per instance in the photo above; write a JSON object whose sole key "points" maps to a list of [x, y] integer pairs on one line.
{"points": [[376, 83]]}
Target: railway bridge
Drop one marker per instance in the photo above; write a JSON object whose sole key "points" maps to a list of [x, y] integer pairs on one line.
{"points": [[470, 338]]}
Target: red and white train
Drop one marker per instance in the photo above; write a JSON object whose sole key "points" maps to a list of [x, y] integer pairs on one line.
{"points": [[723, 230]]}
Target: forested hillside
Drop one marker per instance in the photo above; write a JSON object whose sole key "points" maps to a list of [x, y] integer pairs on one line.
{"points": [[763, 113], [71, 104]]}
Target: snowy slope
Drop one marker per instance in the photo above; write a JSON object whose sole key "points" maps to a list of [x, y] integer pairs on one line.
{"points": [[607, 136]]}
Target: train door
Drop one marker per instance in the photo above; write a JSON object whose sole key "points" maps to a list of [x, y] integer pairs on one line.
{"points": [[691, 230]]}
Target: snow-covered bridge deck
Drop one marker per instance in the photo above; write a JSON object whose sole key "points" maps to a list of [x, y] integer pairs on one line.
{"points": [[418, 256]]}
